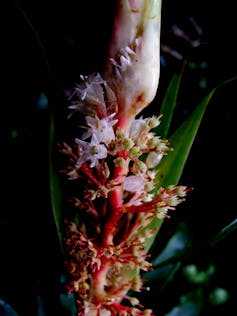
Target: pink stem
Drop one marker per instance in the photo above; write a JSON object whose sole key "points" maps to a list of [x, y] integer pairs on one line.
{"points": [[99, 282], [115, 202], [116, 195]]}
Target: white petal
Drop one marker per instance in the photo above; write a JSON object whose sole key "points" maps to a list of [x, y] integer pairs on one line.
{"points": [[134, 183], [153, 159]]}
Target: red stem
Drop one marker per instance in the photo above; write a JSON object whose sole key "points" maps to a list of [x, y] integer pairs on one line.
{"points": [[116, 195], [115, 203]]}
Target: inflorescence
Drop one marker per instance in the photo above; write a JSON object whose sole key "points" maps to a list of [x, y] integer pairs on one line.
{"points": [[114, 175]]}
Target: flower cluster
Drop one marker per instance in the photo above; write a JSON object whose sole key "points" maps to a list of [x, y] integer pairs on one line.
{"points": [[113, 174]]}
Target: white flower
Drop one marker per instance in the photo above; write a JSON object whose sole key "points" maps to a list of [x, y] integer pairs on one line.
{"points": [[153, 159], [140, 132], [134, 184], [137, 127], [91, 93], [92, 151], [101, 128]]}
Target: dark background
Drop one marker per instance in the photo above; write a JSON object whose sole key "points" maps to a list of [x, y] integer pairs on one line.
{"points": [[45, 46]]}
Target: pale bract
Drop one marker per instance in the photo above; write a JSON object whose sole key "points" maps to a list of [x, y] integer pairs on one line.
{"points": [[133, 66]]}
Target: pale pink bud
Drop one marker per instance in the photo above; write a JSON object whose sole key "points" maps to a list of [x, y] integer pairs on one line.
{"points": [[133, 66]]}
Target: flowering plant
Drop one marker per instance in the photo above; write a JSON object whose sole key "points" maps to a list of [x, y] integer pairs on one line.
{"points": [[121, 172], [115, 171]]}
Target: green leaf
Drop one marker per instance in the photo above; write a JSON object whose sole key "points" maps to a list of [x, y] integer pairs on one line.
{"points": [[165, 265], [168, 105], [55, 187], [226, 231], [177, 250], [171, 166]]}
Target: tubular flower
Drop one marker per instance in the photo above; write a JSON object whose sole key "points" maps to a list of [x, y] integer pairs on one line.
{"points": [[110, 164]]}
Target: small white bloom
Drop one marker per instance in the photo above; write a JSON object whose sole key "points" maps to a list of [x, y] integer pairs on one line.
{"points": [[137, 127], [181, 190], [153, 159], [139, 167], [92, 151], [102, 128], [92, 93], [134, 183], [146, 197], [72, 175]]}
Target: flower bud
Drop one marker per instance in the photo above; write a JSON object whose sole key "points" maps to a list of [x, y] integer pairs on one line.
{"points": [[133, 66]]}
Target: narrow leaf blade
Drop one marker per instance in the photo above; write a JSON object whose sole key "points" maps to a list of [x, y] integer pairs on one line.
{"points": [[171, 166], [168, 105], [181, 141], [55, 188]]}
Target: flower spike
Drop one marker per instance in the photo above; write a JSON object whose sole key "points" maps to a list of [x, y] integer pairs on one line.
{"points": [[112, 165]]}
